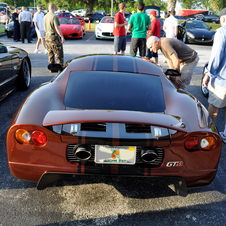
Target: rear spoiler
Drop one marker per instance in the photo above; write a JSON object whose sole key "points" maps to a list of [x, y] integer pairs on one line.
{"points": [[110, 116]]}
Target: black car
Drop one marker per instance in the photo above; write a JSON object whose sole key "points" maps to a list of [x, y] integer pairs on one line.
{"points": [[215, 19], [9, 29], [195, 31], [162, 32], [93, 18], [15, 70]]}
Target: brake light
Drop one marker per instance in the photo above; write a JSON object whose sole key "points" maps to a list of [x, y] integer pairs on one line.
{"points": [[23, 136], [191, 143], [38, 137]]}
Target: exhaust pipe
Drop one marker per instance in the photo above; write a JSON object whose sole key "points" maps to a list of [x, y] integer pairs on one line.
{"points": [[82, 153], [148, 155]]}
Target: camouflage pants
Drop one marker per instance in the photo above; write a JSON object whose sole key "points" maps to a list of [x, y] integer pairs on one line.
{"points": [[55, 48]]}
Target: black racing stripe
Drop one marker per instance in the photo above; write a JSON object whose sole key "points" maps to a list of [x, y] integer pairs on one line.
{"points": [[105, 64]]}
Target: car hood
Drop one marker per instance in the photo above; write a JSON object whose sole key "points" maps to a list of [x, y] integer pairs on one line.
{"points": [[201, 32], [68, 27], [106, 26]]}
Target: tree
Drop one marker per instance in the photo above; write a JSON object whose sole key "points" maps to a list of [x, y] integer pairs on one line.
{"points": [[171, 5], [89, 3]]}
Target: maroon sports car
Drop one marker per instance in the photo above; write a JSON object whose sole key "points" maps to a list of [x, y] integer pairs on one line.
{"points": [[113, 115]]}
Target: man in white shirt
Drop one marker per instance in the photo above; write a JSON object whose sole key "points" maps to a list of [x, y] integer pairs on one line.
{"points": [[40, 30], [170, 25]]}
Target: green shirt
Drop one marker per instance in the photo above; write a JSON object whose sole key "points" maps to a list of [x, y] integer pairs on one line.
{"points": [[139, 22], [50, 22]]}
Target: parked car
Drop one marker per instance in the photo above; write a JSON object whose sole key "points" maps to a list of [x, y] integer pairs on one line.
{"points": [[211, 19], [179, 17], [113, 115], [64, 14], [162, 32], [71, 28], [15, 70], [3, 17], [103, 12], [9, 29], [195, 31], [93, 17], [82, 12], [70, 15], [105, 28]]}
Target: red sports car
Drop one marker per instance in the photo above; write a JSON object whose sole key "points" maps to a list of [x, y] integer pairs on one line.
{"points": [[69, 15], [71, 28], [113, 115]]}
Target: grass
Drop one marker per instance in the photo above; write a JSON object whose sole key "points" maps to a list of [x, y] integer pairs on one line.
{"points": [[214, 27], [2, 29]]}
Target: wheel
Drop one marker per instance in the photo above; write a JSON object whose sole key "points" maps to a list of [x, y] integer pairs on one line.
{"points": [[24, 77], [8, 34], [185, 40], [205, 91]]}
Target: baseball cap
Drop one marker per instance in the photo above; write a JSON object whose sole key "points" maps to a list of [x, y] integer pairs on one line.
{"points": [[223, 12], [39, 7], [153, 12]]}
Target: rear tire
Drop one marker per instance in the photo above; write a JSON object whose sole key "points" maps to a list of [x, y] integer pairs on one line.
{"points": [[24, 78], [8, 34]]}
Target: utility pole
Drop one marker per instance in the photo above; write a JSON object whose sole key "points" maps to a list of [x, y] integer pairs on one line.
{"points": [[111, 7]]}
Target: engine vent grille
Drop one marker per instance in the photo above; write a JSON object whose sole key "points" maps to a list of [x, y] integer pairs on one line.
{"points": [[137, 128], [101, 127], [160, 153]]}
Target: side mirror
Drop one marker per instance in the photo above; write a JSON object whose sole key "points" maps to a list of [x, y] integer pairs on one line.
{"points": [[3, 49], [172, 72]]}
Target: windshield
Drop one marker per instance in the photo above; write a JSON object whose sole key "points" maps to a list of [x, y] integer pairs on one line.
{"points": [[196, 24], [114, 91], [107, 20], [69, 21]]}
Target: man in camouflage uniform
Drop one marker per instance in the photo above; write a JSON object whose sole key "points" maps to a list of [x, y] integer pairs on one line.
{"points": [[54, 38]]}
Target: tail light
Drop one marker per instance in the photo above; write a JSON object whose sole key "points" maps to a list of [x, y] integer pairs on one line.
{"points": [[38, 137], [25, 137], [193, 143]]}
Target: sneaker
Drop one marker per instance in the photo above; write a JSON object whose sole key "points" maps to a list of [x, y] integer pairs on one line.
{"points": [[37, 51], [46, 51], [164, 61], [223, 137]]}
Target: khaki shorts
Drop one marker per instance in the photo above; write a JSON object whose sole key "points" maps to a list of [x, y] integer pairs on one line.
{"points": [[40, 33], [217, 95]]}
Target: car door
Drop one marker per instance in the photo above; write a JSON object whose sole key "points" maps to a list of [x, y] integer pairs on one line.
{"points": [[7, 70]]}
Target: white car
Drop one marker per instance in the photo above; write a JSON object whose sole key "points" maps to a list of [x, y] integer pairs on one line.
{"points": [[105, 28]]}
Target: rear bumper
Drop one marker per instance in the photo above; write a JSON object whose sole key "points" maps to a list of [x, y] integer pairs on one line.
{"points": [[46, 175]]}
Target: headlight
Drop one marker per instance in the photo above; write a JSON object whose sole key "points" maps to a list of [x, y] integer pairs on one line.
{"points": [[98, 29], [77, 28], [190, 35]]}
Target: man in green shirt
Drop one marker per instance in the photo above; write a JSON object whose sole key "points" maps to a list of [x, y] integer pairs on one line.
{"points": [[54, 37], [140, 23]]}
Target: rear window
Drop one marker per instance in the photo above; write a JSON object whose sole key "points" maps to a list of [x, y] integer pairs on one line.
{"points": [[114, 91]]}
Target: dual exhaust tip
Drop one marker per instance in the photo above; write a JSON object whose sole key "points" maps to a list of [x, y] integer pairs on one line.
{"points": [[83, 153]]}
